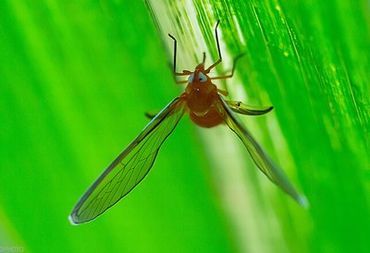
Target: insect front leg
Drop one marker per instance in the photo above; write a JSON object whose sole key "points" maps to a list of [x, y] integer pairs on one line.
{"points": [[184, 72], [218, 49]]}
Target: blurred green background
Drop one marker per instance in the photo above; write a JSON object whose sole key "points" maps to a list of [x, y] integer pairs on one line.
{"points": [[77, 76]]}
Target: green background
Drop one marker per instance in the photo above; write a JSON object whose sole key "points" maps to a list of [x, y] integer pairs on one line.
{"points": [[77, 76]]}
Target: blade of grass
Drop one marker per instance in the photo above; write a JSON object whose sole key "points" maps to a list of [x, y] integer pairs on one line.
{"points": [[302, 57]]}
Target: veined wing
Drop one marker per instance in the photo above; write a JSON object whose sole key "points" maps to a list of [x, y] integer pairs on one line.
{"points": [[130, 167], [263, 162]]}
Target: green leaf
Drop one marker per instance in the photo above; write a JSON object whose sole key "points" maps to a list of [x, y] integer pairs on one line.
{"points": [[77, 77]]}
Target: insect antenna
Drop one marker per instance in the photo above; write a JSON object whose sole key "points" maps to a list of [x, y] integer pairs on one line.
{"points": [[204, 58]]}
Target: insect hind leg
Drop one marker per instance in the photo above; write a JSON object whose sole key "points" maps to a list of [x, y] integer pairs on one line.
{"points": [[241, 108]]}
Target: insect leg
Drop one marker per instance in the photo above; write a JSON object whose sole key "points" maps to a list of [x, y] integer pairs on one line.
{"points": [[218, 49], [150, 115], [185, 72], [240, 107], [232, 70], [181, 81], [223, 92]]}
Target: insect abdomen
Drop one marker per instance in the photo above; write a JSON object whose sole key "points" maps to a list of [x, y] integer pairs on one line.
{"points": [[210, 119]]}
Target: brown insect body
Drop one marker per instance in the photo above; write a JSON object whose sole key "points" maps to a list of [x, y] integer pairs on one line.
{"points": [[206, 108], [201, 97]]}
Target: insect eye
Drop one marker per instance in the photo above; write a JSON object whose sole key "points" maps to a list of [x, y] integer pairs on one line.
{"points": [[202, 77], [191, 78]]}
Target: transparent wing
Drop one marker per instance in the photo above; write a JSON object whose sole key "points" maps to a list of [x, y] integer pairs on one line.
{"points": [[242, 108], [130, 167], [263, 162]]}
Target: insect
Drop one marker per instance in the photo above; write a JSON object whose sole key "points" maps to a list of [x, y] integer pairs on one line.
{"points": [[207, 107]]}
